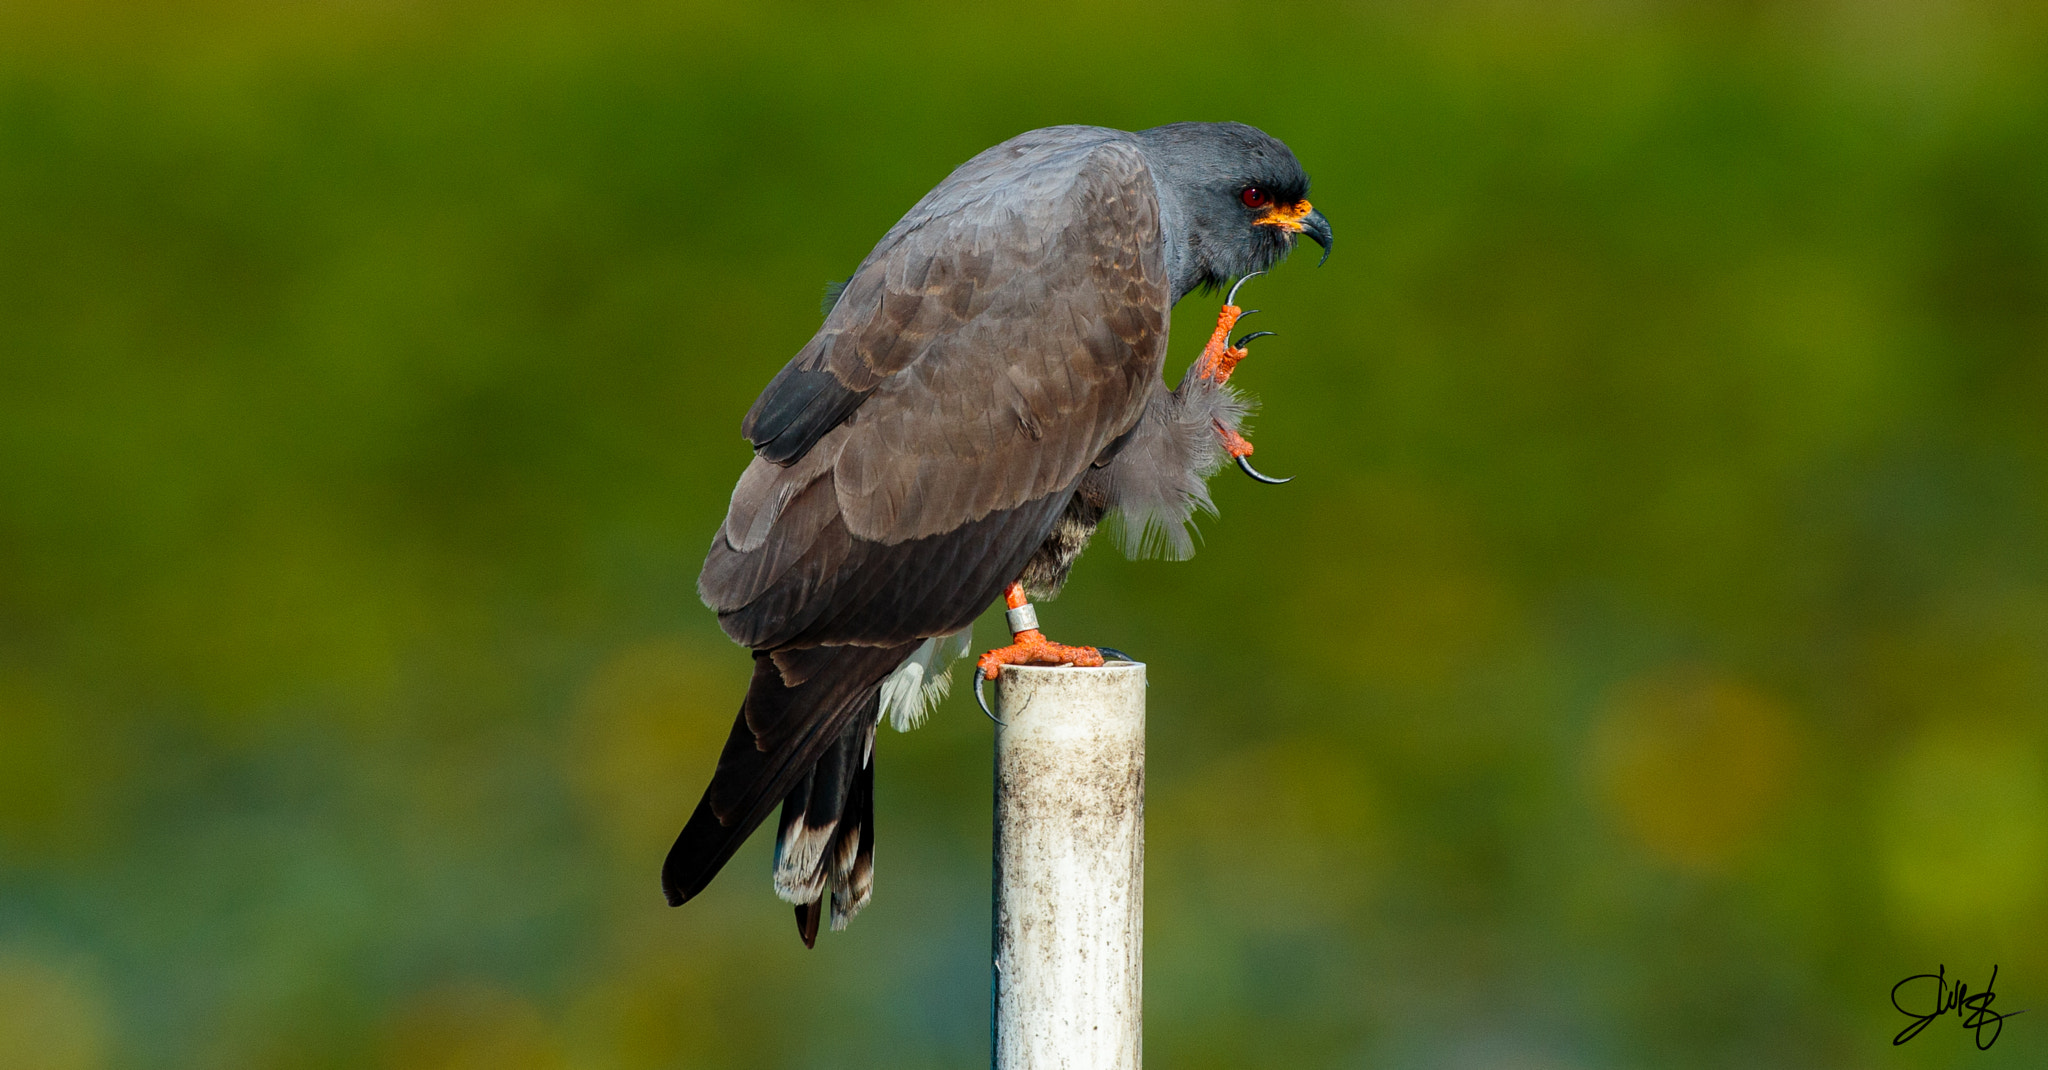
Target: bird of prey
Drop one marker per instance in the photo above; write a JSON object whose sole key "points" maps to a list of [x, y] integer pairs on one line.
{"points": [[986, 388]]}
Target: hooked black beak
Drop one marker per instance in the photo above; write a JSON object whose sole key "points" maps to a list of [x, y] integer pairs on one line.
{"points": [[1318, 230]]}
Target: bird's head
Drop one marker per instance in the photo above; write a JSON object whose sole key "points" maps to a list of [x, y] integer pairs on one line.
{"points": [[1232, 201]]}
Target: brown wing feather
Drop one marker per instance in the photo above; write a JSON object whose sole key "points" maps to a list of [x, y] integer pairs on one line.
{"points": [[1011, 404], [843, 589], [1002, 335]]}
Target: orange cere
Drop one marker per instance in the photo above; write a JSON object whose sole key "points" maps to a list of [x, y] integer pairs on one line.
{"points": [[1285, 216]]}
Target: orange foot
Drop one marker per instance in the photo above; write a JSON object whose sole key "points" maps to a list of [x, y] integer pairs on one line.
{"points": [[1240, 451], [1033, 648], [1220, 356], [1029, 646]]}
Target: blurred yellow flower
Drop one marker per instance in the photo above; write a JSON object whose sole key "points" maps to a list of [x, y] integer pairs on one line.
{"points": [[1690, 763], [51, 1016], [1962, 822]]}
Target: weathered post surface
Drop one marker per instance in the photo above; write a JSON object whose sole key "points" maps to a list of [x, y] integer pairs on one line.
{"points": [[1070, 868]]}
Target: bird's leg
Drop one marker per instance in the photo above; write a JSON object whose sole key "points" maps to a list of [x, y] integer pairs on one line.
{"points": [[1029, 646], [1220, 356], [1240, 451], [1234, 444]]}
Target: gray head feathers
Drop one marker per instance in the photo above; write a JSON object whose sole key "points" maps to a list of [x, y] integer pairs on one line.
{"points": [[1201, 171]]}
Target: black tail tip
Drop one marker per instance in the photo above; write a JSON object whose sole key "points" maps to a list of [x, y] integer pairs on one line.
{"points": [[807, 920], [672, 887]]}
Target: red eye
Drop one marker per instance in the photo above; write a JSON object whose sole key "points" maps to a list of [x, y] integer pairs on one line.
{"points": [[1254, 198]]}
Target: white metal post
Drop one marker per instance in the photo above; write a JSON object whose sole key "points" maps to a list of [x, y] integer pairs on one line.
{"points": [[1070, 868]]}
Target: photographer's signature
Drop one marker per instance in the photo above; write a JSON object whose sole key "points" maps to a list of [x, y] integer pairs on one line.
{"points": [[1980, 1016]]}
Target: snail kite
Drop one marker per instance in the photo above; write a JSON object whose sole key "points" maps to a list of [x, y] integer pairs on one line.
{"points": [[985, 389]]}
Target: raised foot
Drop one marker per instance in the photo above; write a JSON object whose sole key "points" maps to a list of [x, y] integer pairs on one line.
{"points": [[1241, 451], [1220, 356]]}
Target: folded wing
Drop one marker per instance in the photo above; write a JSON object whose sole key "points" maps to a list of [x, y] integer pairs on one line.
{"points": [[916, 452]]}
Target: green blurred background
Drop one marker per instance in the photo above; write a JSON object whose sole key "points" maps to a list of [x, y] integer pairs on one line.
{"points": [[1648, 668]]}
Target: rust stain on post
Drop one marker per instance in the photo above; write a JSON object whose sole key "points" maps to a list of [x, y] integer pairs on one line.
{"points": [[1070, 868]]}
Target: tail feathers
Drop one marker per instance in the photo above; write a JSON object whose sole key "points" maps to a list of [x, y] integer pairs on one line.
{"points": [[811, 815], [825, 846], [796, 849], [853, 857], [807, 922], [779, 739]]}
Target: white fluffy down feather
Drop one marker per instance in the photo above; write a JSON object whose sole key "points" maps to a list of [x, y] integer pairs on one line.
{"points": [[917, 685]]}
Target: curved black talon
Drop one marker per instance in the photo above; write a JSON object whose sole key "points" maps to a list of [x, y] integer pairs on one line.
{"points": [[1110, 653], [981, 700], [1245, 463], [1232, 299], [1247, 339]]}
